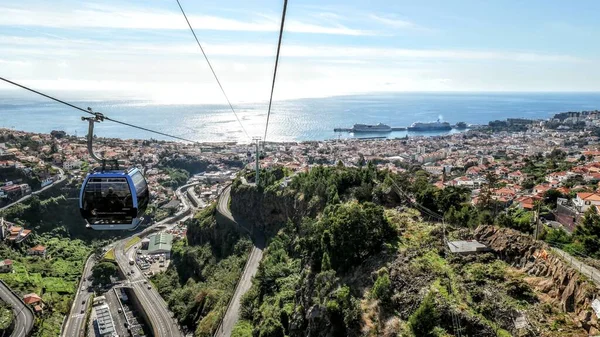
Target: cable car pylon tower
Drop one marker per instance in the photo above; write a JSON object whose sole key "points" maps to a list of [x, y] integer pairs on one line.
{"points": [[257, 155]]}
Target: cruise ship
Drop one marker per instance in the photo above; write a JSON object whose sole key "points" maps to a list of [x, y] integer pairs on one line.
{"points": [[371, 128], [433, 126]]}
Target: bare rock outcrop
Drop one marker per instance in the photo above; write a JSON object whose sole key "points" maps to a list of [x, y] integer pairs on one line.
{"points": [[572, 292]]}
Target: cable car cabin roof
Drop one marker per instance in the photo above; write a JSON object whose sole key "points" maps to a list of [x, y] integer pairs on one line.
{"points": [[114, 173]]}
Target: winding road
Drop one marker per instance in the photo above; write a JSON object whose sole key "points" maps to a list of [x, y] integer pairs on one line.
{"points": [[245, 282], [23, 314]]}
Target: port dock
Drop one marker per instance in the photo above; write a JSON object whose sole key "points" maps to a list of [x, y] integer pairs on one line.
{"points": [[352, 130]]}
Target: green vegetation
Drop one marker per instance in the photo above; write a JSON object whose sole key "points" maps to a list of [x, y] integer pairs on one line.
{"points": [[103, 271], [350, 267], [205, 270], [134, 240], [57, 215], [382, 287], [426, 318], [56, 224], [110, 255], [177, 177], [6, 316], [242, 328], [55, 278]]}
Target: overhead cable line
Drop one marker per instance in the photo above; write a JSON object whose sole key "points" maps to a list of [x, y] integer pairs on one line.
{"points": [[211, 68], [276, 63], [95, 114]]}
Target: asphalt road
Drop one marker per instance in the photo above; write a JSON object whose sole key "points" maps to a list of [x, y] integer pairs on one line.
{"points": [[245, 282], [155, 307], [75, 323], [24, 316]]}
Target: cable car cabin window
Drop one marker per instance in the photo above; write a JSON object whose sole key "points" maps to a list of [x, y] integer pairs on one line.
{"points": [[141, 189], [108, 200]]}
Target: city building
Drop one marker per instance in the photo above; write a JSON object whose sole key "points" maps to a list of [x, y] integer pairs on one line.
{"points": [[104, 321], [160, 243], [35, 301], [6, 266], [38, 250], [585, 200]]}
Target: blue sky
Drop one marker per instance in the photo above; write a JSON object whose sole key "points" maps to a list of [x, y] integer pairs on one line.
{"points": [[143, 49]]}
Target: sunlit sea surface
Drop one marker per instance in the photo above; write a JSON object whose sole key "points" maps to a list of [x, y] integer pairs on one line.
{"points": [[293, 120]]}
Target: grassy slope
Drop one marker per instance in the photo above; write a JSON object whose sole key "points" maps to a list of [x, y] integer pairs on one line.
{"points": [[54, 278]]}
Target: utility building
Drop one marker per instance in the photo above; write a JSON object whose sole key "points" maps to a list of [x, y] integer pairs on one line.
{"points": [[467, 247], [160, 243], [106, 326]]}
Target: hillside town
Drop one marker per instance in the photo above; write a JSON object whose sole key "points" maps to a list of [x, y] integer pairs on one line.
{"points": [[545, 171], [567, 142]]}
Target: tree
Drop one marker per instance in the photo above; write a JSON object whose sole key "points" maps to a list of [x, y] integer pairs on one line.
{"points": [[451, 196], [103, 271], [425, 318], [382, 288], [356, 229], [528, 184], [588, 232], [325, 262], [557, 154], [271, 328], [551, 195]]}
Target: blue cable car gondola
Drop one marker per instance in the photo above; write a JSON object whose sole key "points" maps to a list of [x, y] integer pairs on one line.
{"points": [[112, 199]]}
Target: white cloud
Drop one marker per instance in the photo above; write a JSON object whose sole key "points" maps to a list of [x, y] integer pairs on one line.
{"points": [[95, 16], [395, 23], [15, 63], [42, 46]]}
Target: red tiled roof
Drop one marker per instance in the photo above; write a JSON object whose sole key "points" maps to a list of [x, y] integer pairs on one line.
{"points": [[10, 188], [38, 248], [31, 298], [7, 262]]}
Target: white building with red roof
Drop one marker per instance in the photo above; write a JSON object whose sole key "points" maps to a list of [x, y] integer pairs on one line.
{"points": [[585, 200]]}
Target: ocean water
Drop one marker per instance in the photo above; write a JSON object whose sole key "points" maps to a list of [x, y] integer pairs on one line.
{"points": [[293, 120]]}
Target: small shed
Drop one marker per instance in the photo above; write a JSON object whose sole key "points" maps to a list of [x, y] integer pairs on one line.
{"points": [[466, 247]]}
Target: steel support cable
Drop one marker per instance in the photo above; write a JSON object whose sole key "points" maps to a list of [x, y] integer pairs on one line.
{"points": [[419, 206], [211, 69], [92, 113], [275, 68]]}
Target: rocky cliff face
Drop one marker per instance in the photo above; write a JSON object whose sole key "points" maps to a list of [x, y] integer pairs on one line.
{"points": [[565, 286], [266, 210]]}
